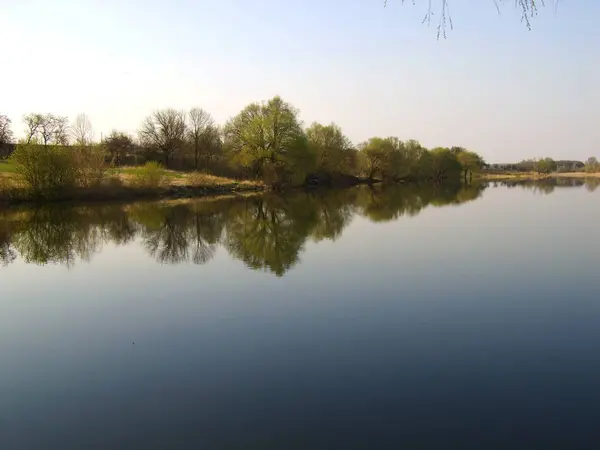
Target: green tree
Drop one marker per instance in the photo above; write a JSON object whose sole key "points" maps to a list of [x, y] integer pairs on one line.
{"points": [[470, 161], [119, 146], [268, 140], [544, 165], [592, 165], [385, 157], [331, 148], [444, 164]]}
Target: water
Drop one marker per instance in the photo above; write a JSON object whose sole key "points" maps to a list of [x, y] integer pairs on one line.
{"points": [[418, 318]]}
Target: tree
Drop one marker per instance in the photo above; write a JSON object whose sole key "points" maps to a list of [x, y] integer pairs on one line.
{"points": [[48, 129], [118, 145], [373, 156], [6, 134], [386, 157], [592, 165], [203, 135], [544, 165], [82, 131], [164, 131], [529, 9], [268, 140], [331, 147], [444, 164], [469, 161]]}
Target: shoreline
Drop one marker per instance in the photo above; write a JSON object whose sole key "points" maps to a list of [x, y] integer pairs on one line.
{"points": [[530, 176]]}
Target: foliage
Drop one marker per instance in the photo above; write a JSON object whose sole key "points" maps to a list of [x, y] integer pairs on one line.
{"points": [[150, 175], [46, 170], [544, 165], [592, 165], [90, 164], [331, 148], [118, 146], [470, 161], [268, 140]]}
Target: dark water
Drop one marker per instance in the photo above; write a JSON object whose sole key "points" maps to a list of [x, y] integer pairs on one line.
{"points": [[417, 318]]}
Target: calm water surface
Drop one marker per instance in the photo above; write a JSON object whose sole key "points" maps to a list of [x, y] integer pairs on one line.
{"points": [[417, 318]]}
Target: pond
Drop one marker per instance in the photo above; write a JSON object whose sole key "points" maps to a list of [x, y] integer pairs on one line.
{"points": [[385, 317]]}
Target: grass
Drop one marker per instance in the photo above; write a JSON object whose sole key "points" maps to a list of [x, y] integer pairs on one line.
{"points": [[122, 183], [6, 166]]}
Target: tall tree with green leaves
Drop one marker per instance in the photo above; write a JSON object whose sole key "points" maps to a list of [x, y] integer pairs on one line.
{"points": [[268, 140], [331, 147]]}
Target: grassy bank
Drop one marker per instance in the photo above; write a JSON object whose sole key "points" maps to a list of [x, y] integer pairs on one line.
{"points": [[127, 184]]}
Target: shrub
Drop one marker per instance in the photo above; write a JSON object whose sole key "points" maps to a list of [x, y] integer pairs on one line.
{"points": [[45, 170], [90, 164], [150, 175]]}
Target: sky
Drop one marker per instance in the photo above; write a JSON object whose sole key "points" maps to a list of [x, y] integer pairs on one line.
{"points": [[492, 86]]}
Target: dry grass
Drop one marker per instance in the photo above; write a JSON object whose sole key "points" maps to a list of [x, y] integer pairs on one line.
{"points": [[193, 179], [577, 175]]}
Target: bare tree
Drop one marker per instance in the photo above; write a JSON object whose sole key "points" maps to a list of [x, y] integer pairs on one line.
{"points": [[200, 124], [6, 134], [165, 131], [82, 131], [47, 128]]}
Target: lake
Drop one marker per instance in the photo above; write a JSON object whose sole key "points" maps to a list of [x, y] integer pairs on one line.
{"points": [[386, 317]]}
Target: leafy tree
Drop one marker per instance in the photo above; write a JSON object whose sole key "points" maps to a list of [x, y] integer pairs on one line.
{"points": [[385, 157], [544, 165], [444, 164], [331, 148], [268, 140], [470, 161], [118, 145], [592, 165], [165, 131]]}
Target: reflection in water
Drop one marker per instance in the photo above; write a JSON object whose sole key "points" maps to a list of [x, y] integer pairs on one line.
{"points": [[547, 186], [264, 231]]}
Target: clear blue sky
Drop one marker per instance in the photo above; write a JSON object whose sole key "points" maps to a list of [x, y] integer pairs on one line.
{"points": [[491, 86]]}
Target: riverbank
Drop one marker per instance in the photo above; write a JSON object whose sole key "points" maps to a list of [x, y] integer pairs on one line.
{"points": [[128, 184], [501, 176], [122, 184]]}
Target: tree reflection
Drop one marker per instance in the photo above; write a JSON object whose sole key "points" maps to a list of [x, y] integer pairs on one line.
{"points": [[266, 232]]}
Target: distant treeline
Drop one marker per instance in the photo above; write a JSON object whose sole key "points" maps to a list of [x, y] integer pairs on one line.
{"points": [[264, 141], [548, 165]]}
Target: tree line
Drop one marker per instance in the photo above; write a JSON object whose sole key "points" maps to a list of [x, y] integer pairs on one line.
{"points": [[548, 165], [266, 140]]}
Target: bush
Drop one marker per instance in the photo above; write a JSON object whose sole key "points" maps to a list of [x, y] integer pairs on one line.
{"points": [[46, 170], [150, 175], [90, 164]]}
